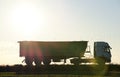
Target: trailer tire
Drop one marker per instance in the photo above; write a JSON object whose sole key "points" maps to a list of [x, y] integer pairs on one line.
{"points": [[28, 60], [37, 61], [47, 61], [75, 61]]}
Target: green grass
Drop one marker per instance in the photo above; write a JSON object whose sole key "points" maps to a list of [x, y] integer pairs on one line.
{"points": [[7, 74], [13, 74], [83, 71]]}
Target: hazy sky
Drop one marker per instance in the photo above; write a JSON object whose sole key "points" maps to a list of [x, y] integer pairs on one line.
{"points": [[90, 20]]}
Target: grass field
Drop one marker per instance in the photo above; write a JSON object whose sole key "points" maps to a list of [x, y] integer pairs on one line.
{"points": [[13, 74], [59, 71]]}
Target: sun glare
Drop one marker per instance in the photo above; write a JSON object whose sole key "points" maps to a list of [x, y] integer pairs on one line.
{"points": [[27, 20]]}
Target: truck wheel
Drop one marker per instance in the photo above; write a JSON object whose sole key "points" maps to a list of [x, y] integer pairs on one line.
{"points": [[28, 60], [100, 61], [37, 61], [46, 61], [101, 68]]}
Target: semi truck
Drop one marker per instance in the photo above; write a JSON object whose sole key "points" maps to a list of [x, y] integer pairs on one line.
{"points": [[54, 51]]}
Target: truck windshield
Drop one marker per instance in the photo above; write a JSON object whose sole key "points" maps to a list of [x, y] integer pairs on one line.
{"points": [[107, 47]]}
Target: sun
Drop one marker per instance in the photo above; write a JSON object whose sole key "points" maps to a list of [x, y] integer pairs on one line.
{"points": [[27, 20]]}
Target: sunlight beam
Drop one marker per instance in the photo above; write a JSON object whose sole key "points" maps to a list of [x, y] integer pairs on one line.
{"points": [[27, 20]]}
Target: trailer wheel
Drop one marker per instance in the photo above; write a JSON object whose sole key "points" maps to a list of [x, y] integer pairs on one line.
{"points": [[37, 61], [28, 60], [75, 61], [46, 61]]}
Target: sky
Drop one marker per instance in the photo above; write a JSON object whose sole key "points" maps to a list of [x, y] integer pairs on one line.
{"points": [[53, 20]]}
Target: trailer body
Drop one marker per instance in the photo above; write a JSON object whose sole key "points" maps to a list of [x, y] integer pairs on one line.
{"points": [[53, 49]]}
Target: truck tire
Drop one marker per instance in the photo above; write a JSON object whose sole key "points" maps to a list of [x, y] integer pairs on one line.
{"points": [[100, 61], [101, 68], [46, 61], [28, 60]]}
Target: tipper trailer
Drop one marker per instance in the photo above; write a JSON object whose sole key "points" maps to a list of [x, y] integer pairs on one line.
{"points": [[47, 51]]}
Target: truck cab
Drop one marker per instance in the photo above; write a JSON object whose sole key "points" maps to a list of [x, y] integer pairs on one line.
{"points": [[102, 52]]}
